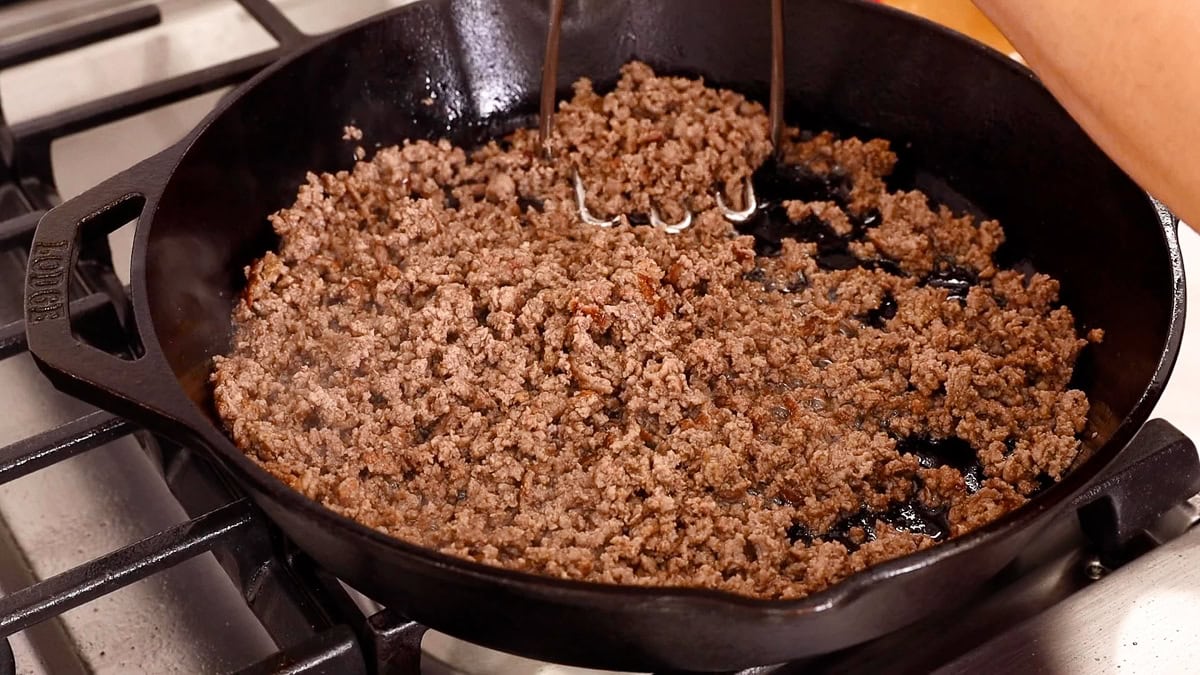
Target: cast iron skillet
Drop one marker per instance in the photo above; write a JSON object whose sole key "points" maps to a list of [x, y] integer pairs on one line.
{"points": [[991, 135]]}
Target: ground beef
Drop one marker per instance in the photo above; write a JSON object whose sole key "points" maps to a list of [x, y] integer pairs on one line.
{"points": [[441, 350]]}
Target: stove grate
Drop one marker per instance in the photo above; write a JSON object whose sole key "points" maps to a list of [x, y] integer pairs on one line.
{"points": [[312, 618]]}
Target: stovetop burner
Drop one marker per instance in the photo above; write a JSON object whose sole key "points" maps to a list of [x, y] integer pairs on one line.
{"points": [[1141, 509]]}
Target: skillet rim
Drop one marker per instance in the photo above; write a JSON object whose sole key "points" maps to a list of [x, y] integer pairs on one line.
{"points": [[666, 598]]}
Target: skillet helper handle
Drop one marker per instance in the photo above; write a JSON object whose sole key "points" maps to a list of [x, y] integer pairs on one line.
{"points": [[117, 384], [1121, 505]]}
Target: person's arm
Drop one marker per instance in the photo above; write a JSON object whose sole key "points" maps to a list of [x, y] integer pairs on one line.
{"points": [[1129, 72]]}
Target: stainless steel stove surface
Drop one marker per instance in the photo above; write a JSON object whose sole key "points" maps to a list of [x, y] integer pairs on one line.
{"points": [[224, 594]]}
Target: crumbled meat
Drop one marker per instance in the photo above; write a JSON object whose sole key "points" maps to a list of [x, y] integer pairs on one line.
{"points": [[442, 351]]}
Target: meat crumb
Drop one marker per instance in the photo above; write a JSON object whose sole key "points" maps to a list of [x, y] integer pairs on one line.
{"points": [[441, 350]]}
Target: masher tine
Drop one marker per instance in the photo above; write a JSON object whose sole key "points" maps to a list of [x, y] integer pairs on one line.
{"points": [[581, 202], [733, 215], [670, 228]]}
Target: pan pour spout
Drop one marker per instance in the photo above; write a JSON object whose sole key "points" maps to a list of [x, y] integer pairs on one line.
{"points": [[546, 126]]}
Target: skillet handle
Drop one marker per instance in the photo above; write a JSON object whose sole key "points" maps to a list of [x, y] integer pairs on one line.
{"points": [[1121, 504], [126, 387]]}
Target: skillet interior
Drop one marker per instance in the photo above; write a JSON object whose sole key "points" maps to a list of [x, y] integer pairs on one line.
{"points": [[993, 138]]}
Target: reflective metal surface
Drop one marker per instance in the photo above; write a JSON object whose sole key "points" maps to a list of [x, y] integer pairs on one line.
{"points": [[1141, 618]]}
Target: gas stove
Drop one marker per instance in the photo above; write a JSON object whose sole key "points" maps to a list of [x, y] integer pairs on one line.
{"points": [[124, 552]]}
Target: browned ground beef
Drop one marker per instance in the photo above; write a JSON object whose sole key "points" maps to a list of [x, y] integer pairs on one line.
{"points": [[441, 350]]}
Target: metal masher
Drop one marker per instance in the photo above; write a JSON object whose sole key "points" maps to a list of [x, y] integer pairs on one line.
{"points": [[546, 124]]}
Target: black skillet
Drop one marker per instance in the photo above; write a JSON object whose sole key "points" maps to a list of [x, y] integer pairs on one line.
{"points": [[973, 129]]}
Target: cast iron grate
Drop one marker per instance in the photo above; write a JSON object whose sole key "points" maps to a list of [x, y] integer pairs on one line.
{"points": [[307, 612]]}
